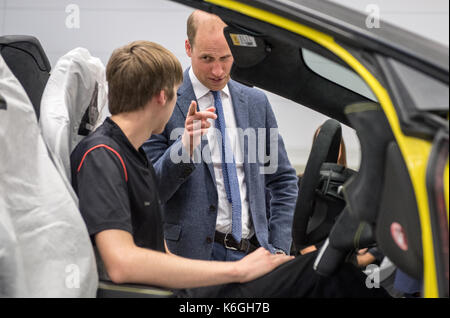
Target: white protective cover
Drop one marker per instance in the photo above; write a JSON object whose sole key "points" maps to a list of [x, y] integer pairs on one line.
{"points": [[66, 97], [45, 250]]}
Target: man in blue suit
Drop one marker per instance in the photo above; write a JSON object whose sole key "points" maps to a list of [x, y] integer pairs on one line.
{"points": [[214, 193]]}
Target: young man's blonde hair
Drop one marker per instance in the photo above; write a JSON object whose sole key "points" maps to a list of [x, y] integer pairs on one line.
{"points": [[137, 72]]}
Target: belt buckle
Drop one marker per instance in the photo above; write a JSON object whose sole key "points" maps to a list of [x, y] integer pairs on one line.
{"points": [[225, 240]]}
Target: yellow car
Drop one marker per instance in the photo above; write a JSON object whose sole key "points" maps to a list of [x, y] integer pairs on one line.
{"points": [[388, 84]]}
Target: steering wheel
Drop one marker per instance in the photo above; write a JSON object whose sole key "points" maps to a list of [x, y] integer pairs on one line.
{"points": [[324, 149]]}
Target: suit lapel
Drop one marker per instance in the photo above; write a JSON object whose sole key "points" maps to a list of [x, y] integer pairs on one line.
{"points": [[240, 105], [185, 94]]}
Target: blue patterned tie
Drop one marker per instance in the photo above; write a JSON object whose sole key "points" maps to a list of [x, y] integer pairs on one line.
{"points": [[229, 171]]}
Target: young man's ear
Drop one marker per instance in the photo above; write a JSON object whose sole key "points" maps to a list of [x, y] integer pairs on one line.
{"points": [[188, 47], [161, 97]]}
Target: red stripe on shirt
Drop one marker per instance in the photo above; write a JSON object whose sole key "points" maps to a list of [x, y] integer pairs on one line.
{"points": [[109, 148]]}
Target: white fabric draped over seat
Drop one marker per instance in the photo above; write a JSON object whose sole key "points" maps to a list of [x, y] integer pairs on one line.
{"points": [[45, 249], [76, 88]]}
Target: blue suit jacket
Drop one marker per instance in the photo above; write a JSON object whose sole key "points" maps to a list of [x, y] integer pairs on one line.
{"points": [[188, 191]]}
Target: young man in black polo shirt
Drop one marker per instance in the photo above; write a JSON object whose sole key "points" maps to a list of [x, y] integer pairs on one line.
{"points": [[118, 195]]}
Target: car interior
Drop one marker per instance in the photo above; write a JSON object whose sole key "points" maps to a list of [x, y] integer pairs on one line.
{"points": [[278, 65], [341, 210]]}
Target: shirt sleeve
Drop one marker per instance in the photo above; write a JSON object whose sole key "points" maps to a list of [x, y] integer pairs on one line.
{"points": [[102, 191]]}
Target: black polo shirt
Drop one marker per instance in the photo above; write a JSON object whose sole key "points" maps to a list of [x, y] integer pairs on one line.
{"points": [[117, 187]]}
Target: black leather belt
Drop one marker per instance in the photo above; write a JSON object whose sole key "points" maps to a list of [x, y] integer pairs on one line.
{"points": [[230, 243]]}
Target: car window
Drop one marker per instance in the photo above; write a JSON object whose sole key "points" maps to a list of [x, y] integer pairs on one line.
{"points": [[427, 93], [337, 73]]}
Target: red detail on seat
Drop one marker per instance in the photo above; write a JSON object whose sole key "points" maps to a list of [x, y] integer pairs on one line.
{"points": [[399, 236]]}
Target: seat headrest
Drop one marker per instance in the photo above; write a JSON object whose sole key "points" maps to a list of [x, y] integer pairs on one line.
{"points": [[363, 192], [28, 62]]}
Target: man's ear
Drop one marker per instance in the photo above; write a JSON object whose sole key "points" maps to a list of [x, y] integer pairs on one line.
{"points": [[188, 47], [161, 97]]}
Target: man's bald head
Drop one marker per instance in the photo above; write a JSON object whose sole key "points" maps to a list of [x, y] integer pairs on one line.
{"points": [[207, 21], [211, 58]]}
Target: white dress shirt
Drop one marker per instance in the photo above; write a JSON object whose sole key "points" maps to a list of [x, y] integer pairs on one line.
{"points": [[205, 100]]}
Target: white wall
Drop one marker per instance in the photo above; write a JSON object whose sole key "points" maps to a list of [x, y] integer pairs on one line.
{"points": [[427, 18], [107, 24], [104, 24]]}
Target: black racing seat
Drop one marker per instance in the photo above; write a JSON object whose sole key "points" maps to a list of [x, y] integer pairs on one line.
{"points": [[373, 130], [320, 199], [26, 59], [398, 229], [382, 195], [355, 227]]}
